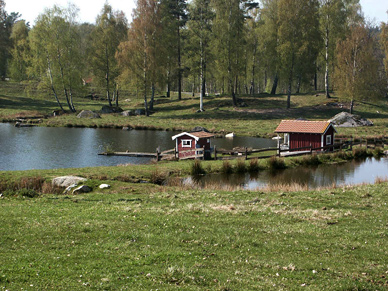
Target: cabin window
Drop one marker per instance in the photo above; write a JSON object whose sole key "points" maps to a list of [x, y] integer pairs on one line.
{"points": [[286, 139], [328, 139], [186, 143]]}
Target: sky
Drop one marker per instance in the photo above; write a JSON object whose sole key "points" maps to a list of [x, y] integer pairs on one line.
{"points": [[374, 10]]}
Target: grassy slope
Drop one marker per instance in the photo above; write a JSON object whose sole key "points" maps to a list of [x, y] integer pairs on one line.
{"points": [[260, 118], [143, 237]]}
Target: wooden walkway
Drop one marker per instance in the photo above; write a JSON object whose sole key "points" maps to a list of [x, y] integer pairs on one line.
{"points": [[130, 154]]}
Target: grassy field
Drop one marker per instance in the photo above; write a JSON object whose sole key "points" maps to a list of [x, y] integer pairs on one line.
{"points": [[146, 237], [138, 235], [260, 118]]}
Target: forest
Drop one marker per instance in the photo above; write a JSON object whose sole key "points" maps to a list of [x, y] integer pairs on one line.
{"points": [[210, 47]]}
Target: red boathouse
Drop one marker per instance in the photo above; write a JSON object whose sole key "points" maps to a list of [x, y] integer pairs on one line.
{"points": [[302, 133], [191, 144]]}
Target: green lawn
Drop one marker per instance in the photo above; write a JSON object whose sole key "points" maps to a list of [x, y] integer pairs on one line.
{"points": [[148, 237]]}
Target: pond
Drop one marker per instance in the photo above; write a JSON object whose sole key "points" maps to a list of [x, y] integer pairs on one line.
{"points": [[27, 148], [349, 173]]}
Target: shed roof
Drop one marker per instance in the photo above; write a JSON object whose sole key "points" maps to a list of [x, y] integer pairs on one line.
{"points": [[196, 135], [303, 126]]}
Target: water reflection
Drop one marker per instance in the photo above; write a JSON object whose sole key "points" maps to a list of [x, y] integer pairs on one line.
{"points": [[354, 172]]}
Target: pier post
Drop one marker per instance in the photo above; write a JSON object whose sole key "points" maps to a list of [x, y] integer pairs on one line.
{"points": [[215, 153]]}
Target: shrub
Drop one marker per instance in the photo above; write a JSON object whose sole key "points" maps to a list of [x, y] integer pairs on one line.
{"points": [[196, 168], [253, 165], [359, 153], [158, 177], [274, 163], [378, 152], [310, 160], [240, 166], [226, 167]]}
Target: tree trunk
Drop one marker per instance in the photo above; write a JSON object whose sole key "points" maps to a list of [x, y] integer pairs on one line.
{"points": [[151, 107], [52, 83], [107, 75], [351, 106], [275, 84], [298, 84], [327, 63], [168, 85], [117, 95], [234, 89], [179, 64]]}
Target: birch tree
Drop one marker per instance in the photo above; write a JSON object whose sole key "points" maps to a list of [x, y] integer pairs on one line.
{"points": [[200, 33], [55, 51], [140, 57], [357, 73], [110, 30]]}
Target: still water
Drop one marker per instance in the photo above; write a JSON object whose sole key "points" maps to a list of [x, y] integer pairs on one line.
{"points": [[349, 173], [29, 148]]}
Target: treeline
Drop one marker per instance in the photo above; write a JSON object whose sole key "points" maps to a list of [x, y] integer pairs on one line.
{"points": [[208, 46]]}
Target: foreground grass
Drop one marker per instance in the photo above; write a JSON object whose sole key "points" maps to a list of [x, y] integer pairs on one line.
{"points": [[143, 237], [260, 118]]}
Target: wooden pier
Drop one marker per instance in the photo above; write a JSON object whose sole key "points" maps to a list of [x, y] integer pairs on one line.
{"points": [[157, 155]]}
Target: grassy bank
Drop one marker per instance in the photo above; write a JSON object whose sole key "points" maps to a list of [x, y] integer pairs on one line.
{"points": [[143, 236], [260, 118]]}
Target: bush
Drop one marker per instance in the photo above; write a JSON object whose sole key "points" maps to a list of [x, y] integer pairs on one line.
{"points": [[158, 177], [359, 153], [378, 152], [310, 160], [274, 163], [240, 166], [253, 165], [196, 168], [226, 167]]}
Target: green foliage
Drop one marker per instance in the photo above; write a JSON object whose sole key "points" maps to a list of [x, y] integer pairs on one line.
{"points": [[226, 167], [275, 163], [196, 168], [240, 166], [253, 165]]}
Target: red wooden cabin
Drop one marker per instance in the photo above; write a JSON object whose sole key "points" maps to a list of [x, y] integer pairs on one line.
{"points": [[302, 133], [190, 144]]}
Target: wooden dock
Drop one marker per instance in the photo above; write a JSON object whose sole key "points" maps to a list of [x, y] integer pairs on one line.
{"points": [[157, 155], [130, 154]]}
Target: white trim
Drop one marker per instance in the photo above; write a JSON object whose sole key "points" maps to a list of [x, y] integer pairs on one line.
{"points": [[328, 137], [322, 140], [188, 143], [185, 133]]}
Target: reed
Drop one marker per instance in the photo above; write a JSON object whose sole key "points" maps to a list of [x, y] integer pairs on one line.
{"points": [[253, 166], [196, 168], [240, 166], [275, 163], [226, 167]]}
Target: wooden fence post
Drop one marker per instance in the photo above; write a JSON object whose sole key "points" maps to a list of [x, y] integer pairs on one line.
{"points": [[246, 153], [278, 154], [215, 153]]}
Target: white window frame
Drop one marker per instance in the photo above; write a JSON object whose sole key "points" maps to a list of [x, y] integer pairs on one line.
{"points": [[287, 139], [186, 143], [328, 139]]}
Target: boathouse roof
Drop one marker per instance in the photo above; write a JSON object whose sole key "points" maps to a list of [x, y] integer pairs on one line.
{"points": [[303, 126], [196, 135]]}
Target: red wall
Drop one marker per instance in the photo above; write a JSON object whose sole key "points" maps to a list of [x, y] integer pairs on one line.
{"points": [[298, 140]]}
